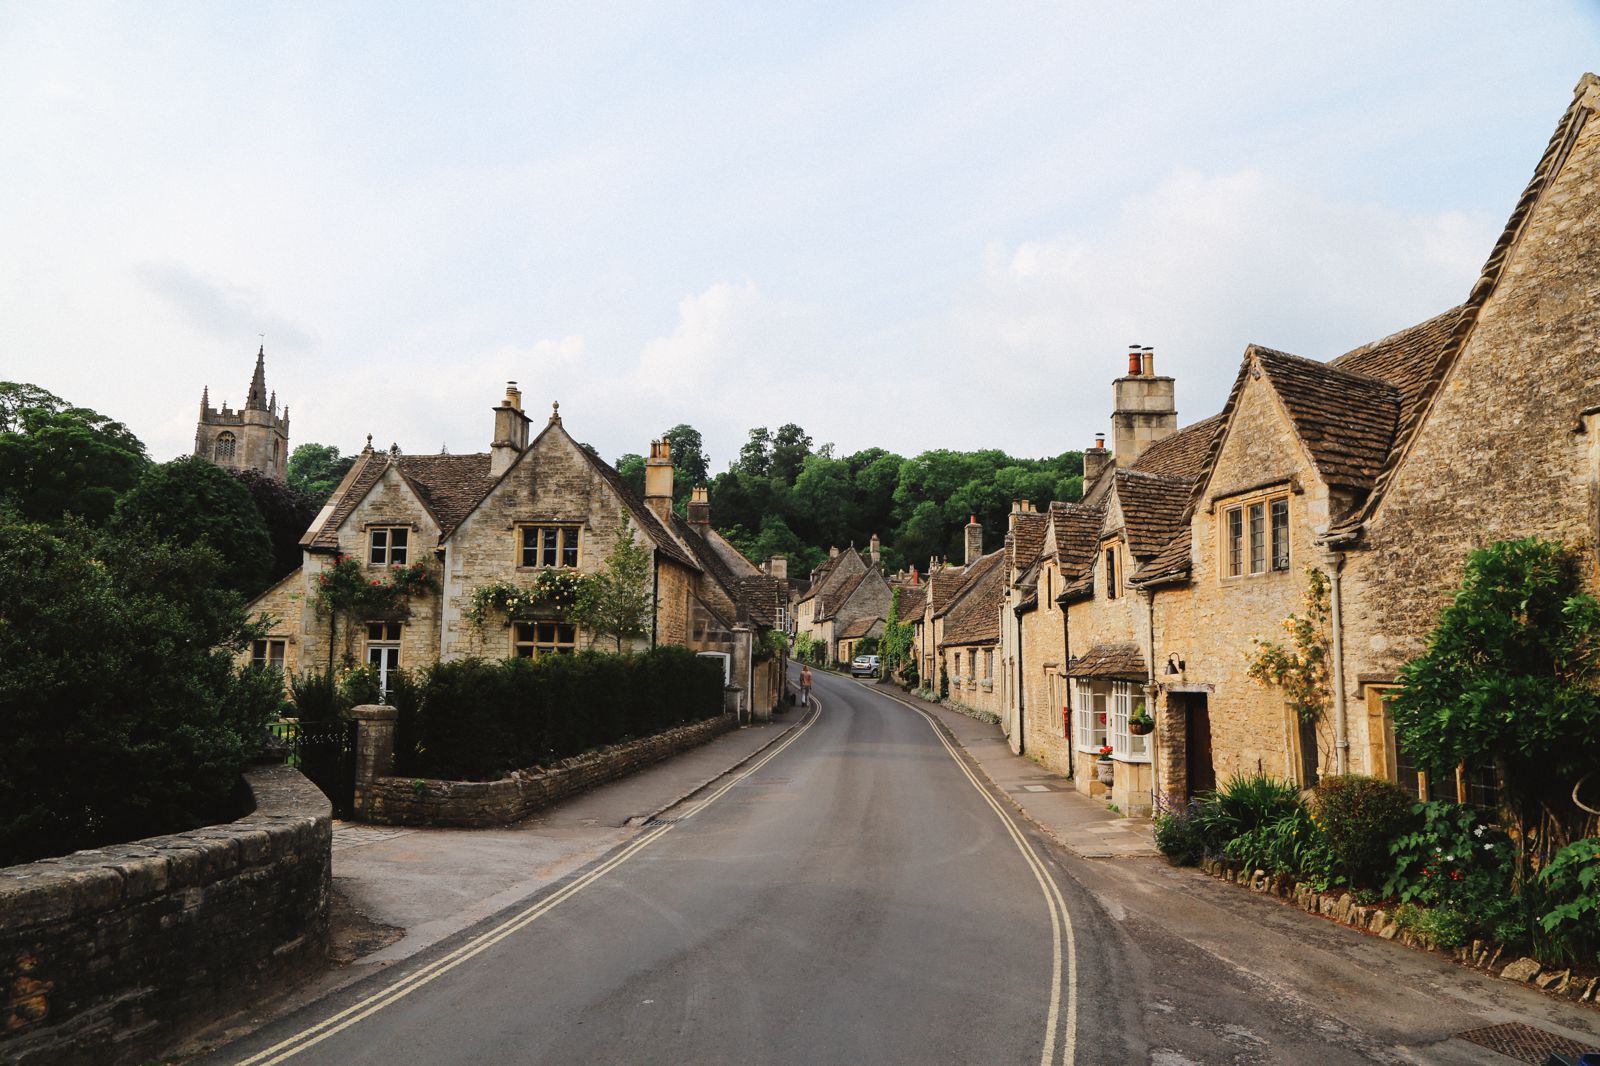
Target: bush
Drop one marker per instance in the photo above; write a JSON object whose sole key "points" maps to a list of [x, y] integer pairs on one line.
{"points": [[316, 696], [1440, 927], [1360, 816], [473, 719], [1455, 859], [1178, 836], [1291, 843], [1569, 890], [125, 714], [1241, 805]]}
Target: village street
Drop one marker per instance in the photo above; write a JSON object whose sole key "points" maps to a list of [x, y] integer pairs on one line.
{"points": [[862, 893]]}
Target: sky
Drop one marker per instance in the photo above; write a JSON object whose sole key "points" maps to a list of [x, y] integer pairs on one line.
{"points": [[899, 226]]}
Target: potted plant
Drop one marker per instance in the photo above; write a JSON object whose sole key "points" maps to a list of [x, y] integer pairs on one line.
{"points": [[1104, 768], [1140, 723]]}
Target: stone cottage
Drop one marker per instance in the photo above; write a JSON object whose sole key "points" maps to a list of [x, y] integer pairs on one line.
{"points": [[525, 508]]}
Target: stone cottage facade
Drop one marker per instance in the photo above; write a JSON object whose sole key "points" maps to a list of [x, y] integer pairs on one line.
{"points": [[524, 508]]}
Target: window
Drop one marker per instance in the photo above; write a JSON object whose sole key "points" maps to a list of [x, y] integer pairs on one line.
{"points": [[224, 450], [1124, 745], [1256, 538], [1280, 534], [1089, 715], [1235, 541], [972, 665], [549, 546], [386, 545], [1049, 603], [988, 663], [383, 652], [1111, 572], [267, 653], [529, 640]]}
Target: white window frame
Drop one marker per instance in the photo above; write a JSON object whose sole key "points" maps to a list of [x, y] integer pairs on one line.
{"points": [[1124, 745], [1089, 725], [382, 549], [383, 651]]}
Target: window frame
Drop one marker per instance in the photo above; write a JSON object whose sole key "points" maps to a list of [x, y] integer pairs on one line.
{"points": [[388, 553], [1254, 537], [526, 641], [386, 646], [1125, 746], [1089, 726], [1112, 584], [261, 652], [567, 549]]}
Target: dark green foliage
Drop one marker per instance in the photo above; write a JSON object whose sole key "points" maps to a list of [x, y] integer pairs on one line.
{"points": [[472, 719], [1360, 816], [1291, 843], [317, 469], [1453, 858], [1178, 835], [1569, 886], [1241, 805], [194, 501], [1510, 679], [124, 712], [58, 460], [286, 512], [316, 696]]}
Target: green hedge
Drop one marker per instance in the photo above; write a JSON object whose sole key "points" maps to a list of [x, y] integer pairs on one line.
{"points": [[477, 720]]}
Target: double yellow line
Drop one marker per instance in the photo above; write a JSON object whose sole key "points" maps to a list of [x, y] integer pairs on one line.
{"points": [[1057, 1031], [356, 1012]]}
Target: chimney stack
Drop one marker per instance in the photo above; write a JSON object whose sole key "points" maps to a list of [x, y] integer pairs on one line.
{"points": [[872, 549], [699, 507], [658, 479], [833, 551], [1095, 460], [1144, 409], [974, 540], [778, 567], [510, 432]]}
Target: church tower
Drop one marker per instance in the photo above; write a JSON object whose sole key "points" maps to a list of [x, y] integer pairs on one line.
{"points": [[256, 437]]}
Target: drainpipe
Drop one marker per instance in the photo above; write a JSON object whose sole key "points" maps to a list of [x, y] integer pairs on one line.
{"points": [[1341, 728], [1016, 614], [655, 593], [1066, 679], [1150, 690]]}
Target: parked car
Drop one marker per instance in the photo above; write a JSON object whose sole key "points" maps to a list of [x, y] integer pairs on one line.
{"points": [[864, 666]]}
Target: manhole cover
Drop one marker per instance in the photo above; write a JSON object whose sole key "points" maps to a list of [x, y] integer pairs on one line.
{"points": [[1523, 1042], [660, 821]]}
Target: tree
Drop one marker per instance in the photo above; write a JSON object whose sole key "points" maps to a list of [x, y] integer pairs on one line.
{"points": [[1511, 678], [790, 447], [689, 464], [755, 458], [286, 512], [631, 467], [317, 469], [125, 715], [616, 600], [193, 501], [58, 460]]}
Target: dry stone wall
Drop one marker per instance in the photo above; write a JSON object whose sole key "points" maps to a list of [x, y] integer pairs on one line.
{"points": [[112, 955]]}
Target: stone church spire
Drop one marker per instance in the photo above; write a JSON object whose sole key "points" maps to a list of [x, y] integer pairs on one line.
{"points": [[257, 400]]}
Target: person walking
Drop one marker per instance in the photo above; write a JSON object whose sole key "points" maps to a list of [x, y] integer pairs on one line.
{"points": [[805, 686]]}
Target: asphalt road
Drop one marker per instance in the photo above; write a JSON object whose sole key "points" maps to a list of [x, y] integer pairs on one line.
{"points": [[853, 897]]}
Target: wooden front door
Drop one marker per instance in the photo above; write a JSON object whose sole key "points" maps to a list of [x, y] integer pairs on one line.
{"points": [[1197, 723]]}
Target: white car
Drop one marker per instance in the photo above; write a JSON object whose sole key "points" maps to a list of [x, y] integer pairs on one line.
{"points": [[864, 666]]}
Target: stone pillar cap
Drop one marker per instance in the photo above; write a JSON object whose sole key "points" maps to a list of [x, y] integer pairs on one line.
{"points": [[374, 712]]}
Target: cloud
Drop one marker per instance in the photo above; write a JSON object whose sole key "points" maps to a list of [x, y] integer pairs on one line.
{"points": [[221, 310]]}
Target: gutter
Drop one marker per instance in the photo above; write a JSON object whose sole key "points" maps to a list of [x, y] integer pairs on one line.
{"points": [[1066, 678], [1341, 727]]}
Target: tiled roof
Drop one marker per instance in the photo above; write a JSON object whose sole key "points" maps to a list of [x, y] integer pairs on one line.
{"points": [[1408, 360], [641, 514], [1447, 338], [1171, 562], [1152, 507], [1109, 660], [974, 618], [861, 627], [1025, 539], [1077, 537], [943, 585], [912, 598], [1180, 454], [829, 605], [449, 485], [363, 474], [1347, 421], [762, 596]]}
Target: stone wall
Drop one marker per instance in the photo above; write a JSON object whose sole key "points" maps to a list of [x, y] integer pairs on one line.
{"points": [[479, 804], [112, 955]]}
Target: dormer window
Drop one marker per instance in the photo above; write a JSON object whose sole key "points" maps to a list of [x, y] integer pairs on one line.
{"points": [[1256, 537], [387, 545], [1112, 585]]}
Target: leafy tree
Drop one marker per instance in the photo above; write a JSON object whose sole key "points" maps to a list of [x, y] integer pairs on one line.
{"points": [[58, 460], [125, 714], [790, 447], [317, 469], [755, 458], [192, 501], [1511, 678], [616, 601], [631, 467], [286, 512], [895, 646]]}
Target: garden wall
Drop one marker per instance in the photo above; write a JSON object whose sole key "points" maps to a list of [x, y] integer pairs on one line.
{"points": [[112, 955], [480, 804]]}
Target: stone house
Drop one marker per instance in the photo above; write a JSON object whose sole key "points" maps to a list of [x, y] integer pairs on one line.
{"points": [[1024, 539], [525, 507], [851, 636], [968, 632], [945, 583], [844, 590]]}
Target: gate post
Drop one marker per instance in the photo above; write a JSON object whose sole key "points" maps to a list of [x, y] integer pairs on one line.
{"points": [[374, 748]]}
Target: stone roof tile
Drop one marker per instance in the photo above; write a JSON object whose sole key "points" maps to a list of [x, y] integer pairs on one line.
{"points": [[1123, 661]]}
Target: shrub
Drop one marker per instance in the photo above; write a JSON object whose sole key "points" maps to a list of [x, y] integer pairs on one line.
{"points": [[473, 719], [1441, 927], [1569, 887], [1360, 816], [1457, 860], [1240, 805], [1291, 843], [1178, 836], [316, 696]]}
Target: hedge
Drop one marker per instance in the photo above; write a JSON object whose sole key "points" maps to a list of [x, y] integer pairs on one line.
{"points": [[477, 720]]}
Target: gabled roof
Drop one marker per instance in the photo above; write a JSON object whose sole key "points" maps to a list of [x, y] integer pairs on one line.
{"points": [[1077, 537], [449, 485], [1152, 507], [943, 585], [1345, 420], [1025, 539], [828, 578], [1172, 562], [761, 596], [912, 598], [861, 627], [1441, 342], [974, 616]]}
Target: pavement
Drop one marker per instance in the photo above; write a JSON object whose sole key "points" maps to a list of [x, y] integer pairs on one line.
{"points": [[1086, 827]]}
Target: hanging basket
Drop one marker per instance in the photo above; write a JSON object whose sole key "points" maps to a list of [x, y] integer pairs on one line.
{"points": [[1141, 727]]}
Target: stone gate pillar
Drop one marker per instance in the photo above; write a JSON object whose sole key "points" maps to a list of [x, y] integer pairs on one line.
{"points": [[374, 748]]}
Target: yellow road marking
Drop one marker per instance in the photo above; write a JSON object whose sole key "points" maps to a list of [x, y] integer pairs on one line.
{"points": [[1060, 919], [316, 1034]]}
